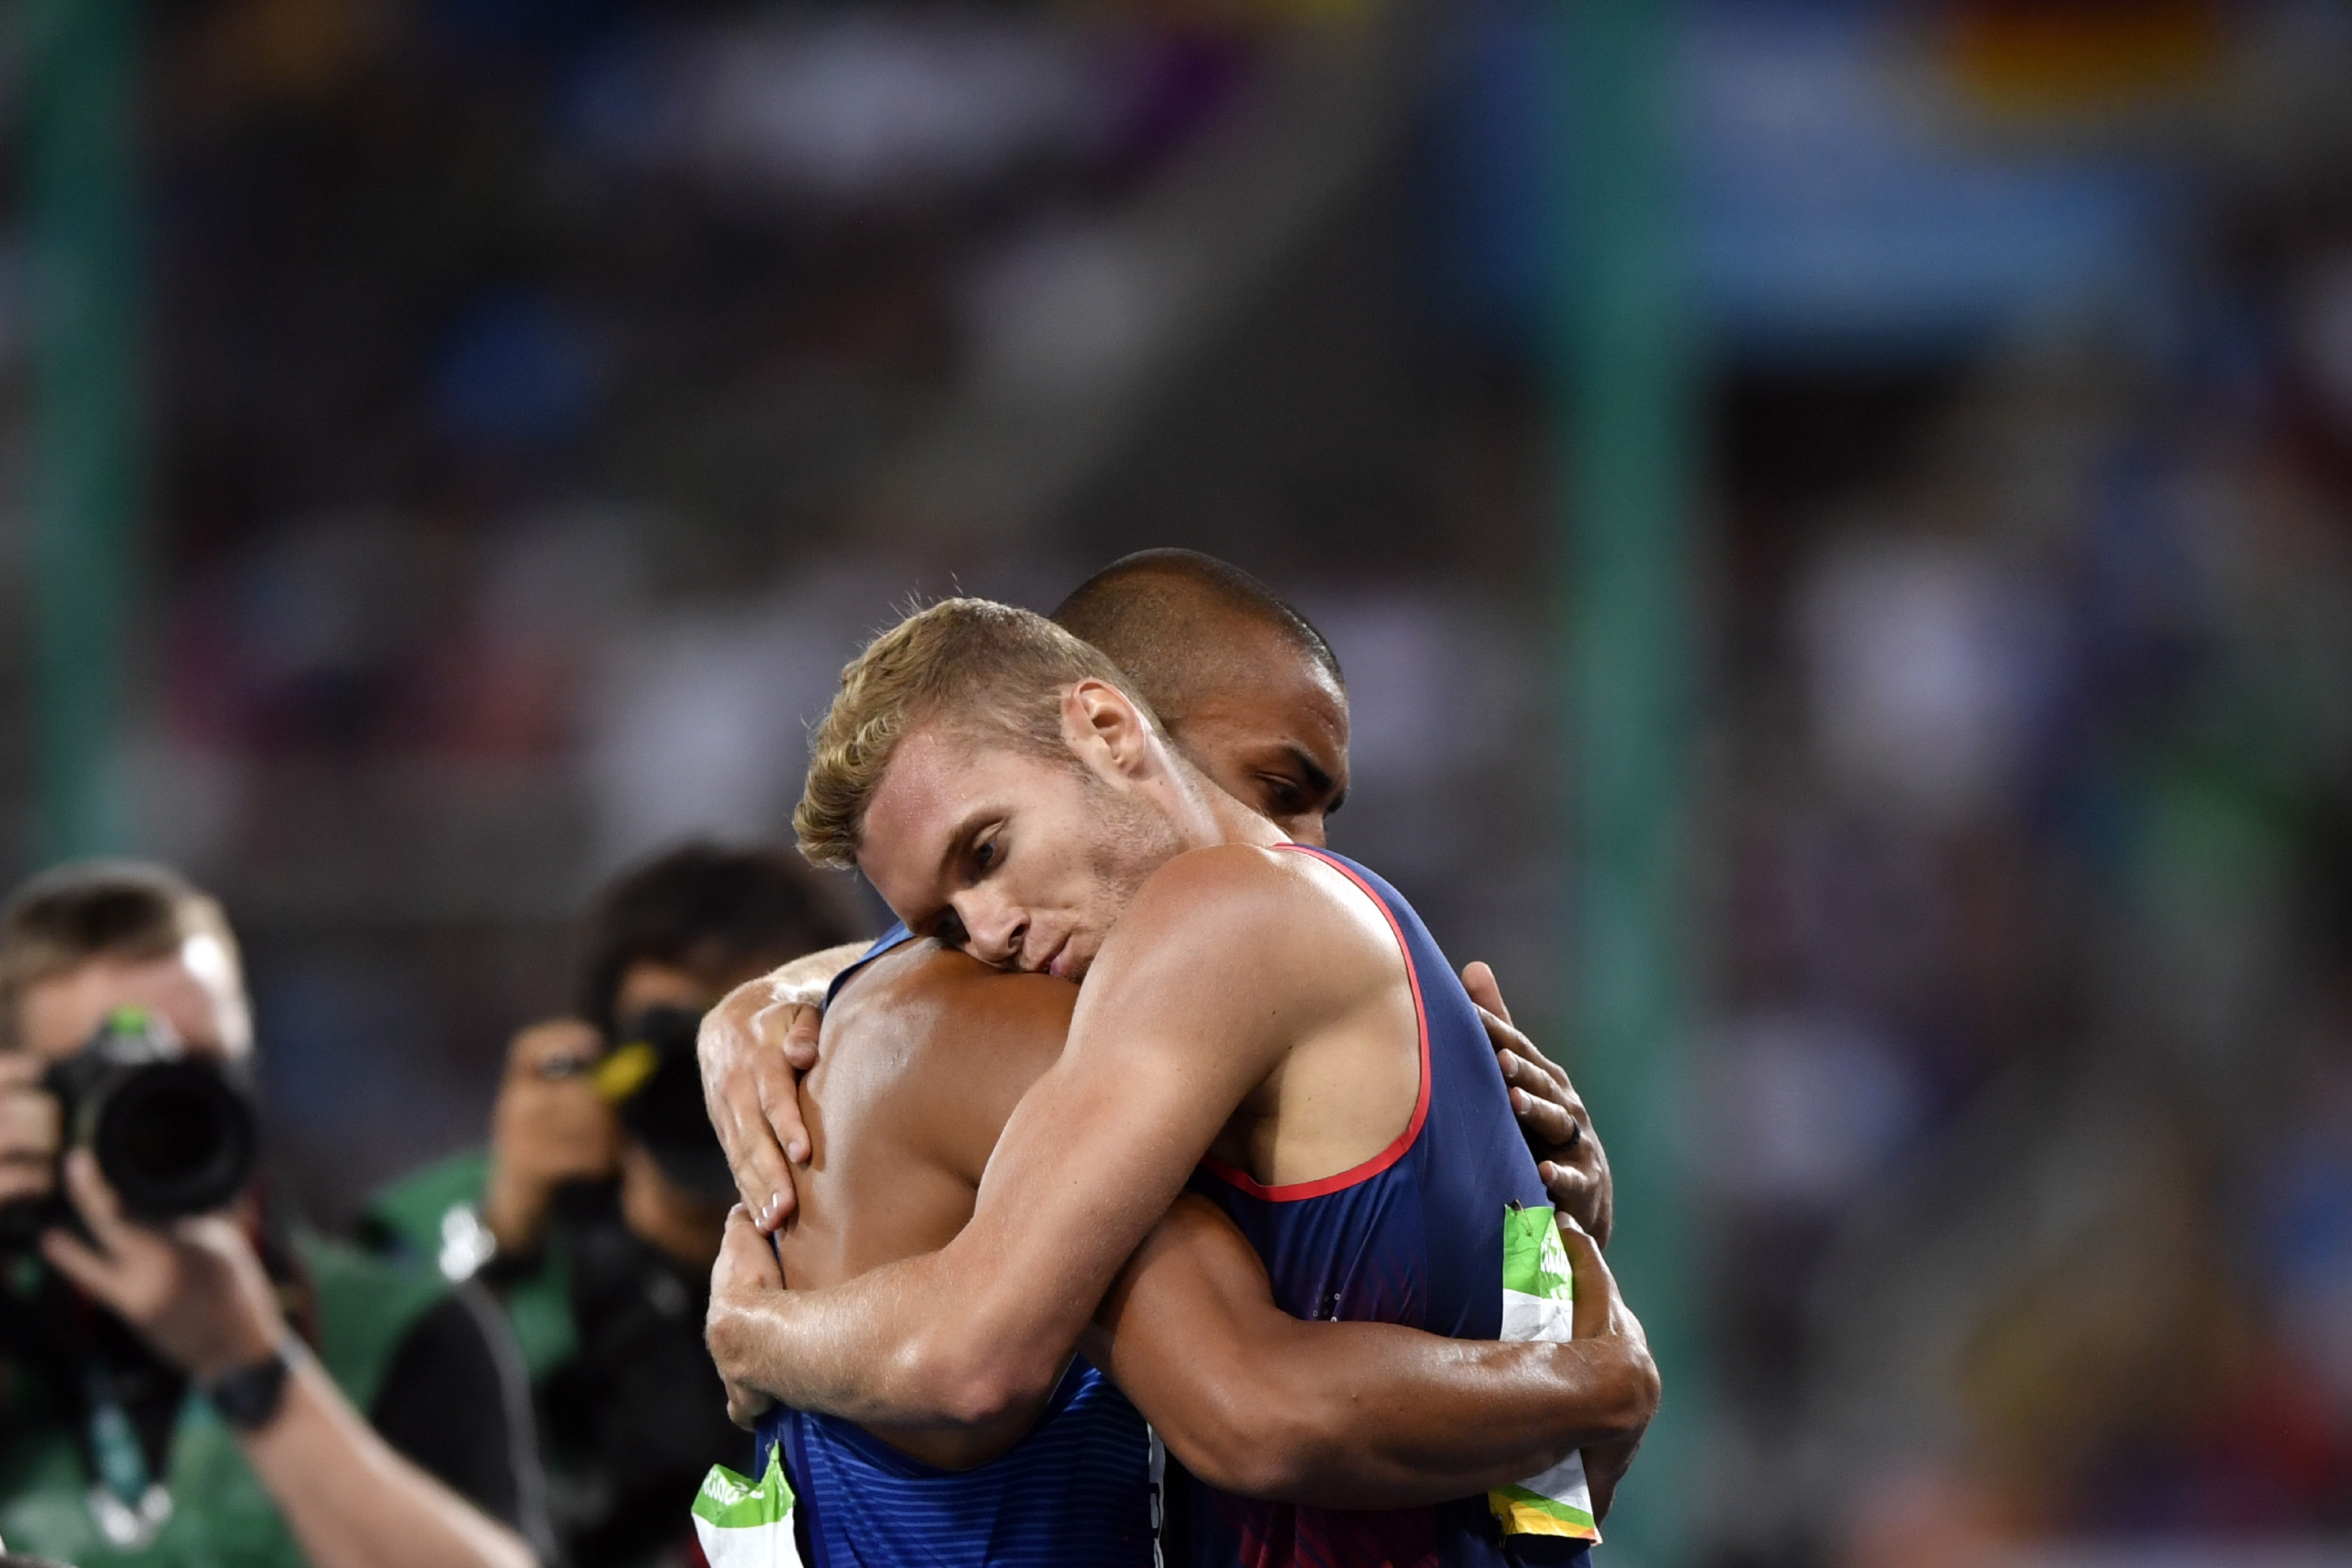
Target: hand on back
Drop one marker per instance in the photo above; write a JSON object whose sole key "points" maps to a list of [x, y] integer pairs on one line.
{"points": [[754, 1047], [1601, 1315], [1558, 1128], [746, 1274]]}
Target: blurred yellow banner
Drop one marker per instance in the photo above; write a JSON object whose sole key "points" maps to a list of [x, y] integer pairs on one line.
{"points": [[2064, 57]]}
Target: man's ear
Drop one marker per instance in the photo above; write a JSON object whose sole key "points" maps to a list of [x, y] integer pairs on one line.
{"points": [[1104, 727]]}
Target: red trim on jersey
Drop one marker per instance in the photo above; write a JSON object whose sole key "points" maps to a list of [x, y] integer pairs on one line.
{"points": [[1291, 1192]]}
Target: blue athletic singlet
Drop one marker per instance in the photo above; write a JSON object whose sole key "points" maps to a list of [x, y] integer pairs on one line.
{"points": [[1413, 1235], [1076, 1490]]}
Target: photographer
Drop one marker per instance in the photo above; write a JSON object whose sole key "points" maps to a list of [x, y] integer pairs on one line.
{"points": [[598, 1208], [192, 1390]]}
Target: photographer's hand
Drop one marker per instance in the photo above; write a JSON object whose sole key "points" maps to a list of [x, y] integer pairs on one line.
{"points": [[549, 1127], [194, 1291], [30, 1127]]}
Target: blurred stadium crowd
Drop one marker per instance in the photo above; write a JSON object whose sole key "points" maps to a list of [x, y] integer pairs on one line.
{"points": [[549, 394]]}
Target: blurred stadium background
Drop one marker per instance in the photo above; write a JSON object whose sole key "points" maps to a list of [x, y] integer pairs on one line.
{"points": [[1838, 518]]}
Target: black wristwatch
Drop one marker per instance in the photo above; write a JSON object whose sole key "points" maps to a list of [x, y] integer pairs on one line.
{"points": [[249, 1397]]}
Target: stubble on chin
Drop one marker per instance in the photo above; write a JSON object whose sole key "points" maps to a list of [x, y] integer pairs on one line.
{"points": [[1134, 842]]}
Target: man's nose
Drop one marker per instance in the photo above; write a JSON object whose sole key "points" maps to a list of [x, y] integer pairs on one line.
{"points": [[993, 931]]}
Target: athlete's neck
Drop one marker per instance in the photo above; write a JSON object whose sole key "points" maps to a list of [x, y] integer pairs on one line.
{"points": [[1237, 824], [1205, 816]]}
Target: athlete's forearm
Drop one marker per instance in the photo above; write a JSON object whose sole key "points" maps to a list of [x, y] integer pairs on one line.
{"points": [[1375, 1415], [1394, 1417], [879, 1349], [816, 1351], [1345, 1414]]}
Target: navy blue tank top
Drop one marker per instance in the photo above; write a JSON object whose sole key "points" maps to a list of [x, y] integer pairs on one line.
{"points": [[1413, 1235], [1075, 1489]]}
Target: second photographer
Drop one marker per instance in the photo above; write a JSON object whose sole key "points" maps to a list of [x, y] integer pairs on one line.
{"points": [[598, 1208]]}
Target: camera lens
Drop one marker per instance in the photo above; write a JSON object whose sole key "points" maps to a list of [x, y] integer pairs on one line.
{"points": [[664, 1109], [175, 1139]]}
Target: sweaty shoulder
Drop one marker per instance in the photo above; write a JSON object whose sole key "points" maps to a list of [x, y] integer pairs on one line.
{"points": [[937, 1047], [1242, 912]]}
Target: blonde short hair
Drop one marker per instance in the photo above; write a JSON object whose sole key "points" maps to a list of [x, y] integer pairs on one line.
{"points": [[997, 673], [84, 910]]}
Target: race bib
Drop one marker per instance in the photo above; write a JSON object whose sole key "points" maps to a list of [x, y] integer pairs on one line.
{"points": [[747, 1524], [1539, 1296]]}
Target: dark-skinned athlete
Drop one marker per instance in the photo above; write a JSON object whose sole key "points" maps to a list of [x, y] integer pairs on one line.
{"points": [[1353, 1158]]}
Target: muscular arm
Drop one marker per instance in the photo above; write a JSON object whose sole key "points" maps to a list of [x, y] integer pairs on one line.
{"points": [[1220, 963], [1258, 1403]]}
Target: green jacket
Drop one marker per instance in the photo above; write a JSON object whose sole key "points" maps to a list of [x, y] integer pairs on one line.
{"points": [[221, 1517], [432, 1216]]}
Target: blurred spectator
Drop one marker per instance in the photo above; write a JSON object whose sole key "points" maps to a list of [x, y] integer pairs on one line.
{"points": [[1926, 671], [192, 1394], [597, 1209], [2095, 724]]}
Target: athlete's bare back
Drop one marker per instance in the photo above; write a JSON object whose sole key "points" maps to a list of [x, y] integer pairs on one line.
{"points": [[922, 1060], [903, 1110]]}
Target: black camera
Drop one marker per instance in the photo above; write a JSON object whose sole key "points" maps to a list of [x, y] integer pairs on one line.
{"points": [[175, 1134], [655, 1084]]}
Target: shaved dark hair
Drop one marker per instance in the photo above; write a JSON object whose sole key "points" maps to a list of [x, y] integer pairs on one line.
{"points": [[1159, 613]]}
